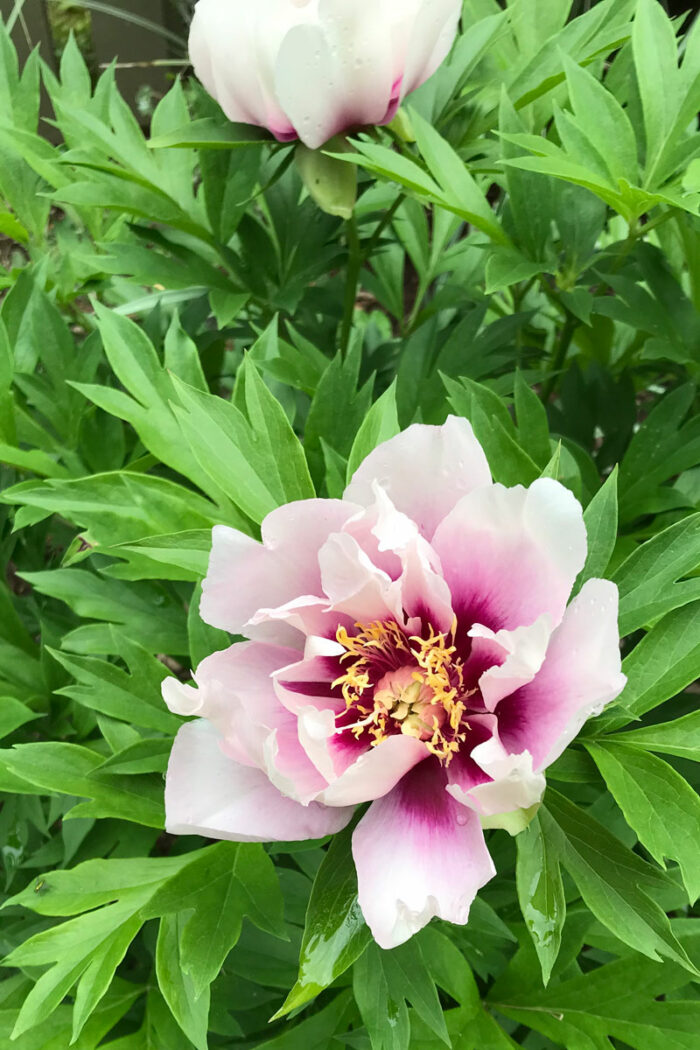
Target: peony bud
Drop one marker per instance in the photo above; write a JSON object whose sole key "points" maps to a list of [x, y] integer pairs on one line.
{"points": [[310, 69], [331, 183]]}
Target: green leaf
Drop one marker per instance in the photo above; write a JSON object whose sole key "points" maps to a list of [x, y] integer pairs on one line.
{"points": [[70, 769], [96, 882], [680, 737], [380, 424], [13, 714], [335, 932], [657, 802], [648, 578], [256, 458], [130, 606], [221, 885], [659, 448], [494, 429], [272, 430], [325, 422], [600, 519], [143, 756], [209, 133], [315, 1031], [70, 950], [604, 123], [541, 893], [177, 556], [621, 1000], [330, 183], [97, 977], [149, 408], [533, 428], [191, 1011], [656, 64], [408, 974], [664, 663], [610, 878], [461, 193], [132, 697], [385, 1018]]}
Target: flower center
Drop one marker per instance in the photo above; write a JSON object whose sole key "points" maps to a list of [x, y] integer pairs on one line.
{"points": [[408, 684]]}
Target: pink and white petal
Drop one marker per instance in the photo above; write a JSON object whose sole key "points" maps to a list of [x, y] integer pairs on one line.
{"points": [[320, 645], [352, 582], [580, 675], [243, 87], [517, 655], [432, 36], [425, 470], [359, 38], [236, 693], [512, 783], [420, 596], [313, 101], [511, 555], [418, 854], [329, 753], [375, 772], [307, 614], [212, 28], [385, 534], [208, 794], [501, 788], [245, 576], [309, 682]]}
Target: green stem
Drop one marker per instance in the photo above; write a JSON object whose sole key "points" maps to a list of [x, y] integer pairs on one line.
{"points": [[352, 279], [559, 355], [388, 216]]}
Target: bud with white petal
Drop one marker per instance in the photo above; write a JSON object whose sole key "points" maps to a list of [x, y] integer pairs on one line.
{"points": [[310, 69]]}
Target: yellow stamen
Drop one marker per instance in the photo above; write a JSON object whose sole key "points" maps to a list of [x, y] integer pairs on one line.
{"points": [[423, 701]]}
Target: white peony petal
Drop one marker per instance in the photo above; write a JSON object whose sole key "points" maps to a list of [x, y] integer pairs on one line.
{"points": [[418, 854], [511, 555], [206, 793], [425, 470], [580, 675]]}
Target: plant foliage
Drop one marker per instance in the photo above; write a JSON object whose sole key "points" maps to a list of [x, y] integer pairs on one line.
{"points": [[185, 340]]}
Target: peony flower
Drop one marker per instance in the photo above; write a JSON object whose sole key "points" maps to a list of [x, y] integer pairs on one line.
{"points": [[310, 69], [411, 648]]}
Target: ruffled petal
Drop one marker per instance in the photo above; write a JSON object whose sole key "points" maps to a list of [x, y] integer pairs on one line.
{"points": [[418, 854], [381, 567], [514, 656], [236, 693], [312, 100], [374, 772], [355, 586], [511, 555], [425, 470], [245, 576], [206, 793], [489, 779], [580, 675], [432, 35], [232, 49], [338, 73], [420, 595]]}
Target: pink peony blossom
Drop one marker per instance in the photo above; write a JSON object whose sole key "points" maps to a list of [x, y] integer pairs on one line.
{"points": [[310, 69], [410, 647]]}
